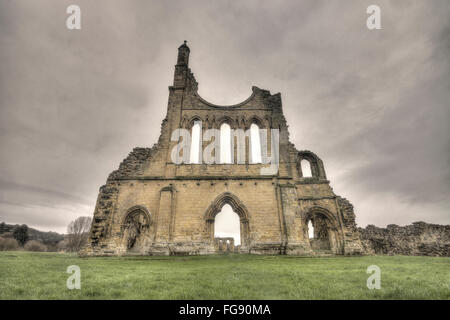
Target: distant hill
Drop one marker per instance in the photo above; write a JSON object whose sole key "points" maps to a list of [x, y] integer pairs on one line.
{"points": [[48, 238]]}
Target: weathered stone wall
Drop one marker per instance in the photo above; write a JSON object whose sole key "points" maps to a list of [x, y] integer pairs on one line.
{"points": [[224, 245], [151, 205], [418, 239]]}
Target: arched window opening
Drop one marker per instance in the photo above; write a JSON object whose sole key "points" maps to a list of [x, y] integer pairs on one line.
{"points": [[227, 225], [306, 168], [196, 142], [225, 143], [134, 226], [310, 230], [319, 233], [255, 143]]}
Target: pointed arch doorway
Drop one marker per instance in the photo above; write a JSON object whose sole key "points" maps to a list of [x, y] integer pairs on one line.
{"points": [[321, 229], [238, 208]]}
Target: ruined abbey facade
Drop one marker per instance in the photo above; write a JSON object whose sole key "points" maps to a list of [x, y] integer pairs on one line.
{"points": [[153, 206]]}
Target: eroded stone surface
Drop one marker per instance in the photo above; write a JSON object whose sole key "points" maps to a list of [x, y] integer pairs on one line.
{"points": [[419, 238]]}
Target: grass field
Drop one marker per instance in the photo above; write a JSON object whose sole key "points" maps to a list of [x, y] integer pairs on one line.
{"points": [[26, 275]]}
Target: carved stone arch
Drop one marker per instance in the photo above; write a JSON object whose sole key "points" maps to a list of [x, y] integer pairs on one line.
{"points": [[136, 221], [317, 169], [256, 120], [332, 219], [226, 119], [238, 207], [140, 208], [249, 148], [328, 223], [192, 121], [194, 143], [232, 200]]}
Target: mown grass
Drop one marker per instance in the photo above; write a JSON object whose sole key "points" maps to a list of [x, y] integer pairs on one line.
{"points": [[26, 275]]}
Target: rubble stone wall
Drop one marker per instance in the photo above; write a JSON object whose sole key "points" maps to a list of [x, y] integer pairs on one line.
{"points": [[418, 239]]}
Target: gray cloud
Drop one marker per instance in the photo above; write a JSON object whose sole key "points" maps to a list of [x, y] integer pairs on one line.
{"points": [[374, 105]]}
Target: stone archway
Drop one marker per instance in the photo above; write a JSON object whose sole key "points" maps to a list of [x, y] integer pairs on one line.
{"points": [[326, 237], [239, 208], [135, 225]]}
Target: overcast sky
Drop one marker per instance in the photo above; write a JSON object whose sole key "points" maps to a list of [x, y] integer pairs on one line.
{"points": [[374, 105]]}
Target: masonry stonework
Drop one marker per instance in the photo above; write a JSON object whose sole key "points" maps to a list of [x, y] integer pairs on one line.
{"points": [[417, 239], [152, 206]]}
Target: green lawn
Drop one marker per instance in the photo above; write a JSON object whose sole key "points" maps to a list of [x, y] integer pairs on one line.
{"points": [[26, 275]]}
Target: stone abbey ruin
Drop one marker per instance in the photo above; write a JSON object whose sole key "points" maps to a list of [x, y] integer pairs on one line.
{"points": [[154, 206]]}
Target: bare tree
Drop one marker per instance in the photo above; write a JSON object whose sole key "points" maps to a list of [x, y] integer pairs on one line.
{"points": [[78, 233]]}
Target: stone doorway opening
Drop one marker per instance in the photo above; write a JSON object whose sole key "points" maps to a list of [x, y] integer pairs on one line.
{"points": [[318, 234], [134, 228], [227, 233], [223, 207], [322, 233]]}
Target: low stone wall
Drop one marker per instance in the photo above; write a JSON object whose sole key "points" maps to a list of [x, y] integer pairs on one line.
{"points": [[417, 239]]}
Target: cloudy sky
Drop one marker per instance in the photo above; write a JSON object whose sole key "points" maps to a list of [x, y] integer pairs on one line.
{"points": [[374, 105]]}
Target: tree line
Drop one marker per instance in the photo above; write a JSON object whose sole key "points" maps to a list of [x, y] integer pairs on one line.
{"points": [[21, 237]]}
